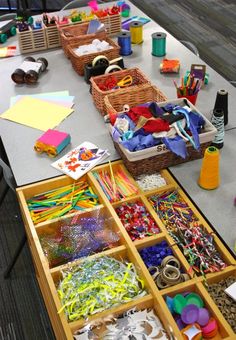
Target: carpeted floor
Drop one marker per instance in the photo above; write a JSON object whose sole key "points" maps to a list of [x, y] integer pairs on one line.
{"points": [[22, 311], [211, 26]]}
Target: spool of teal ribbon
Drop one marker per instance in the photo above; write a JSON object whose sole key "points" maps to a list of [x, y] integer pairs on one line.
{"points": [[158, 44]]}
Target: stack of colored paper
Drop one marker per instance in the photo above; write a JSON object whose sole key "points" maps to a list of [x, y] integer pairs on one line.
{"points": [[40, 111]]}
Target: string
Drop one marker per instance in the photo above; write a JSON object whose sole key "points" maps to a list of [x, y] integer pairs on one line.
{"points": [[218, 122], [124, 41]]}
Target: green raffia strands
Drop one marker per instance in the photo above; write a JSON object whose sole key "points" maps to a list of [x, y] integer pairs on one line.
{"points": [[96, 285]]}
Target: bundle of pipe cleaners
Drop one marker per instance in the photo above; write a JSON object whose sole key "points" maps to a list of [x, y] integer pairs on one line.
{"points": [[96, 285], [133, 324], [196, 243], [78, 237]]}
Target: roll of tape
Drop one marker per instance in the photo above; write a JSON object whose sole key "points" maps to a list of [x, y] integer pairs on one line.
{"points": [[170, 260], [170, 274], [185, 277], [155, 271], [112, 68], [100, 60], [160, 283]]}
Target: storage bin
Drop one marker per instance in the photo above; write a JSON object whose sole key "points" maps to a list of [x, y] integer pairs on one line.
{"points": [[77, 34], [78, 62], [138, 79], [158, 157]]}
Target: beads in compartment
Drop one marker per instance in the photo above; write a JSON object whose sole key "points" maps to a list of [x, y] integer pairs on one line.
{"points": [[149, 182]]}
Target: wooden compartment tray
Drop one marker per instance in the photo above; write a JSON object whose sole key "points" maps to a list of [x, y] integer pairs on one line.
{"points": [[126, 249]]}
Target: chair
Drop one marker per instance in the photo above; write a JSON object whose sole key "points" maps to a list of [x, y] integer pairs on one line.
{"points": [[190, 46], [9, 183], [78, 3]]}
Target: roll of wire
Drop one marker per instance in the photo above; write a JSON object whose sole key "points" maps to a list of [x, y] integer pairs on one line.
{"points": [[136, 31], [124, 41], [158, 44]]}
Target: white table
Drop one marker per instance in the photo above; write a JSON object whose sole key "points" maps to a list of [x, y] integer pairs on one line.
{"points": [[87, 124]]}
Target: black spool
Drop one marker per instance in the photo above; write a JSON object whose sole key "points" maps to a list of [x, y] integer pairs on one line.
{"points": [[221, 103]]}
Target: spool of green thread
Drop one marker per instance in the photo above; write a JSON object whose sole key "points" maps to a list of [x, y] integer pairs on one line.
{"points": [[158, 44]]}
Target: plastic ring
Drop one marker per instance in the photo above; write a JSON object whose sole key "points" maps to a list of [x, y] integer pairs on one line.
{"points": [[113, 68], [100, 60], [170, 260]]}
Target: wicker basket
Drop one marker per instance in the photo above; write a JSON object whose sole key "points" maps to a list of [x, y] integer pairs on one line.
{"points": [[77, 33], [98, 95], [150, 160], [78, 62], [132, 96]]}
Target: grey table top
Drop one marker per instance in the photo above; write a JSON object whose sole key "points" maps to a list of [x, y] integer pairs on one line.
{"points": [[87, 124]]}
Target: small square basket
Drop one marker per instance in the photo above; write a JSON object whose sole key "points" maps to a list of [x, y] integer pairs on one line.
{"points": [[132, 96], [78, 62], [156, 158], [77, 33], [98, 95]]}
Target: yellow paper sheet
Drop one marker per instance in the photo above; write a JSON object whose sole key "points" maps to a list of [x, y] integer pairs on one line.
{"points": [[37, 113]]}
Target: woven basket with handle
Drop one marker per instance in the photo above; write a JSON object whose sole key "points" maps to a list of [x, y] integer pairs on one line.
{"points": [[132, 96], [77, 33], [138, 78], [78, 62]]}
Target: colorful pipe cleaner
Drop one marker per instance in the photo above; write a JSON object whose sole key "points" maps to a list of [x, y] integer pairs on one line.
{"points": [[194, 240]]}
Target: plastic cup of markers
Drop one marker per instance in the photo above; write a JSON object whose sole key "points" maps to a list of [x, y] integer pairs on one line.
{"points": [[192, 98]]}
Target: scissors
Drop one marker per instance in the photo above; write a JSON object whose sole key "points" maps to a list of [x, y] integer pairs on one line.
{"points": [[126, 81]]}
